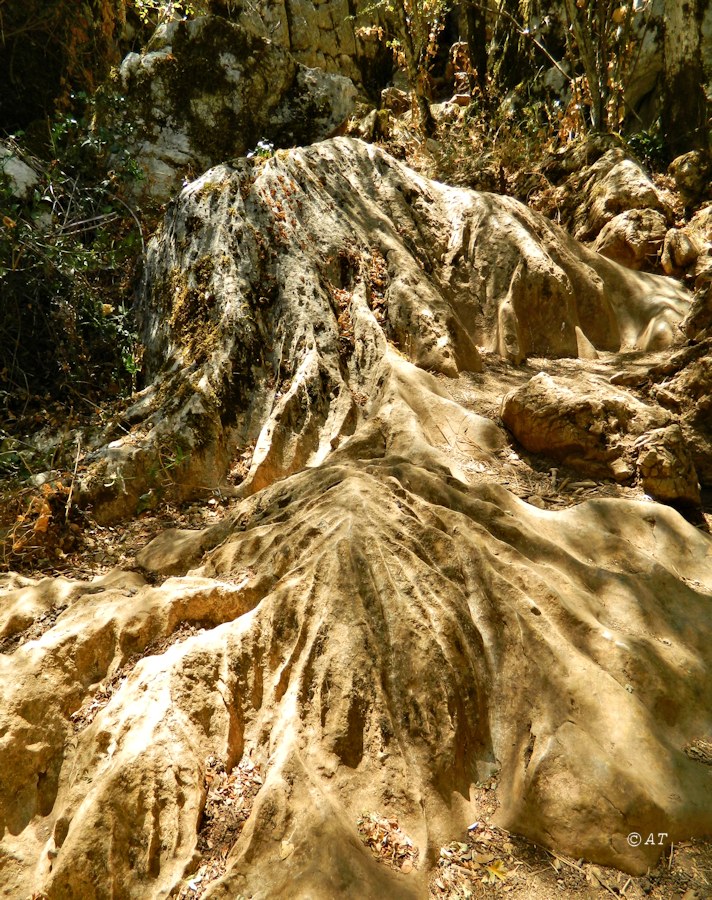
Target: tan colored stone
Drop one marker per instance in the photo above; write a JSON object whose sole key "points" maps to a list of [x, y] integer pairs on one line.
{"points": [[666, 469], [585, 423], [633, 238]]}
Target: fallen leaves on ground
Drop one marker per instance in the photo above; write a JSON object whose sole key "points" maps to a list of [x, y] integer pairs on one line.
{"points": [[387, 842], [481, 858], [227, 807]]}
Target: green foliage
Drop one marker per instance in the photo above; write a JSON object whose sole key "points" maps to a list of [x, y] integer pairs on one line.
{"points": [[67, 254], [649, 147], [152, 11]]}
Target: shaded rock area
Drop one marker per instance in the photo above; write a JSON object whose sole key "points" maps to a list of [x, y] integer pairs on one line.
{"points": [[611, 186], [329, 35], [589, 424], [207, 90], [379, 629]]}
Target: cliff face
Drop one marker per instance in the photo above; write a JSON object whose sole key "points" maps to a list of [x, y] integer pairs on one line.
{"points": [[409, 619]]}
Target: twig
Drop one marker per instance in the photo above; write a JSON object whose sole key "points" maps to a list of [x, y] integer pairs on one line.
{"points": [[74, 475], [566, 862], [672, 850], [135, 218]]}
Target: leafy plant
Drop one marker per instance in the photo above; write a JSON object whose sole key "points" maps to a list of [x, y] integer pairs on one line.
{"points": [[66, 257]]}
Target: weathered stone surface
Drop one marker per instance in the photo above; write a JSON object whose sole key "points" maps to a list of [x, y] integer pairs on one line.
{"points": [[612, 185], [375, 623], [665, 467], [691, 173], [208, 90], [307, 602], [681, 249], [21, 178], [586, 423], [633, 238], [275, 286], [698, 321], [687, 378]]}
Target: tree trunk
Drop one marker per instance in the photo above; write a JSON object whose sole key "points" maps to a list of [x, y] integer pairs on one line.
{"points": [[684, 113], [414, 70], [477, 42]]}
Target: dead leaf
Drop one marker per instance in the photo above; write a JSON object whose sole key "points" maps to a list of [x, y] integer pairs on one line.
{"points": [[496, 871], [286, 850]]}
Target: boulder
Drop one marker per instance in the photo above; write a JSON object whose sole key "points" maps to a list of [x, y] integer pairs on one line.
{"points": [[680, 250], [208, 90], [377, 625], [585, 423], [633, 238], [612, 185], [691, 174], [665, 467]]}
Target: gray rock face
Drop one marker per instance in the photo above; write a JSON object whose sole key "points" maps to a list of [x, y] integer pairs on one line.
{"points": [[325, 35], [208, 90], [21, 178]]}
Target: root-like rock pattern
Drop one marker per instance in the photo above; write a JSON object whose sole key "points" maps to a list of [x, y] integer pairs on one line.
{"points": [[275, 289], [375, 626], [383, 637]]}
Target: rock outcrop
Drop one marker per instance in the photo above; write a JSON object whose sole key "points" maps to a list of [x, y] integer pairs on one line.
{"points": [[377, 625], [585, 422], [379, 636], [208, 90], [276, 287]]}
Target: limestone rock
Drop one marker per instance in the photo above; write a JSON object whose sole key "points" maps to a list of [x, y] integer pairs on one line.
{"points": [[21, 178], [634, 238], [698, 321], [337, 36], [208, 90], [275, 287], [691, 173], [687, 377], [296, 628], [612, 185], [681, 250], [665, 467], [587, 424]]}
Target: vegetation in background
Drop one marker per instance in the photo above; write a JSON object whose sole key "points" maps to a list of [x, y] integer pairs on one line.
{"points": [[67, 255]]}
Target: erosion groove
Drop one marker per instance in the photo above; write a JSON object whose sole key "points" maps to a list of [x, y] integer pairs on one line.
{"points": [[378, 625]]}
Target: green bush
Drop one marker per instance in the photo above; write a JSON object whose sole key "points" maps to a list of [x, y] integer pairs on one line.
{"points": [[67, 255]]}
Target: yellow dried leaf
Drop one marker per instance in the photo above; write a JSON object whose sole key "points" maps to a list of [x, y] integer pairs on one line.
{"points": [[42, 523], [497, 870]]}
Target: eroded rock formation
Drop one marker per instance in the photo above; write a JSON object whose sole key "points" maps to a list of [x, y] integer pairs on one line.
{"points": [[277, 290], [377, 624]]}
